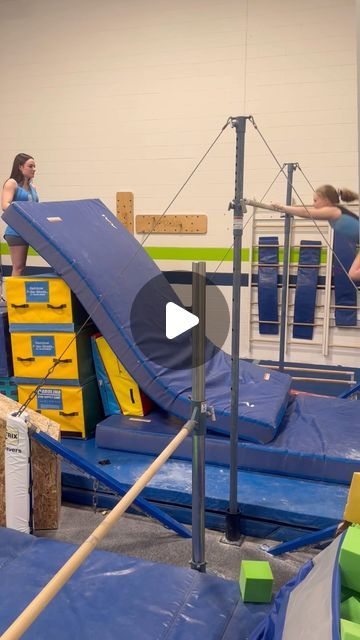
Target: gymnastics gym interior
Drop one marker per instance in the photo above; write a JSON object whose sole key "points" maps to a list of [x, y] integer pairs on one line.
{"points": [[179, 362]]}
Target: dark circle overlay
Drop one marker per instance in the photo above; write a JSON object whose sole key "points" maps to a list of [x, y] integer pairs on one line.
{"points": [[148, 322]]}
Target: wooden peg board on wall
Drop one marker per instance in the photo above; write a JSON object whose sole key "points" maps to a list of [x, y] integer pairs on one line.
{"points": [[195, 224], [125, 209]]}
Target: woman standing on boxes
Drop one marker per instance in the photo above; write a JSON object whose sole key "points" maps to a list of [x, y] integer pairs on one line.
{"points": [[18, 188]]}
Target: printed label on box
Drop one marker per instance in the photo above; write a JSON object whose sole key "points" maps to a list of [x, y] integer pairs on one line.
{"points": [[37, 291], [49, 399], [43, 345]]}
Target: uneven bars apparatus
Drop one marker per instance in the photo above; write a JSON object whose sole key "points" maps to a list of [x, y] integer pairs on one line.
{"points": [[197, 421]]}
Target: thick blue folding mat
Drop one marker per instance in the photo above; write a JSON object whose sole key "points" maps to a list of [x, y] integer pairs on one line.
{"points": [[318, 440], [106, 267]]}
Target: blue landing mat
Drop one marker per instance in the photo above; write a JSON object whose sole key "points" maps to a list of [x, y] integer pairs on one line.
{"points": [[113, 596], [317, 440], [272, 505], [106, 267]]}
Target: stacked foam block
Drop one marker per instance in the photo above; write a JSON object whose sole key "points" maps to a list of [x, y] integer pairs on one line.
{"points": [[349, 560], [45, 319]]}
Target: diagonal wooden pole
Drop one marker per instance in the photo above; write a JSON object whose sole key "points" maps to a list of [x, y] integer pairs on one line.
{"points": [[33, 610], [261, 205]]}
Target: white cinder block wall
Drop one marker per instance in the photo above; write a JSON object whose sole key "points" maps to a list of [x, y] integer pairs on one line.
{"points": [[127, 96]]}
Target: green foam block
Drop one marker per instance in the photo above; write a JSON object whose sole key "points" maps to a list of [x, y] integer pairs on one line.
{"points": [[349, 630], [350, 609], [347, 593], [256, 581], [349, 559]]}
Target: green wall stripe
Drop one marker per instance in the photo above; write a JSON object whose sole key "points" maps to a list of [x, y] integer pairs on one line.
{"points": [[294, 255], [215, 254], [5, 250], [209, 254]]}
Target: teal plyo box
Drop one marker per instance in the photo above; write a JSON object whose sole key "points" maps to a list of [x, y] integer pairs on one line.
{"points": [[350, 609], [8, 388], [349, 630], [256, 581], [349, 559]]}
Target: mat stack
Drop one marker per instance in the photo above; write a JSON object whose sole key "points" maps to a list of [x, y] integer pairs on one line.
{"points": [[47, 330]]}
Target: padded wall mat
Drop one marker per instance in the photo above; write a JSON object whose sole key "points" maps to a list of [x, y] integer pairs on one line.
{"points": [[268, 285], [306, 289], [345, 292]]}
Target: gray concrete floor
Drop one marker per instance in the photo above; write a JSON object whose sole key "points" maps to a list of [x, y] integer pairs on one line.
{"points": [[144, 538]]}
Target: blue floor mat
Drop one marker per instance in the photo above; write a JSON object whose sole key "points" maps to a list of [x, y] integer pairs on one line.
{"points": [[270, 502], [113, 596]]}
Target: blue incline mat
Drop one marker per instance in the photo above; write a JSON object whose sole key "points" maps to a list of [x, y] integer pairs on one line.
{"points": [[106, 267], [112, 596], [317, 440]]}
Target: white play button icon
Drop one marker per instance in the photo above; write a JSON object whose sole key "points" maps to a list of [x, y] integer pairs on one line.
{"points": [[178, 320]]}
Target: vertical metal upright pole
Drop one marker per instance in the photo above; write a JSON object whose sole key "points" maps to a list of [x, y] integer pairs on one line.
{"points": [[199, 411], [285, 272], [233, 515]]}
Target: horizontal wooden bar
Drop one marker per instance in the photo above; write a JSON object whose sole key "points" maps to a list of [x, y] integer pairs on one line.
{"points": [[291, 264], [275, 366], [329, 380]]}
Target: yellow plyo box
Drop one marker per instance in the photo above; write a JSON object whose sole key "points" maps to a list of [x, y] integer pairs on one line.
{"points": [[352, 509], [45, 300], [77, 409], [132, 401], [36, 352]]}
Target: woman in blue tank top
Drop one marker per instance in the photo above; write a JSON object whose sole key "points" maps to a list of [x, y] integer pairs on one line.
{"points": [[327, 206], [18, 188]]}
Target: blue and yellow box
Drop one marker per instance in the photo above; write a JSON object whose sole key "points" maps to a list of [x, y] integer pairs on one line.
{"points": [[118, 389], [46, 300], [77, 409], [36, 352]]}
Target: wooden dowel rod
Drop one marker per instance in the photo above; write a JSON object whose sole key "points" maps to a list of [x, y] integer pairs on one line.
{"points": [[261, 205], [291, 264], [288, 366], [293, 246], [329, 380], [301, 324], [32, 611]]}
